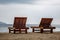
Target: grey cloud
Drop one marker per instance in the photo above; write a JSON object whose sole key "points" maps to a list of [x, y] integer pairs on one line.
{"points": [[16, 1]]}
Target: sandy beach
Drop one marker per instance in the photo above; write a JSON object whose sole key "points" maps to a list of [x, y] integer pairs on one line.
{"points": [[30, 36]]}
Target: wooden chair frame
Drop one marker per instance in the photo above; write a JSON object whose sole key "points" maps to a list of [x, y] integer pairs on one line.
{"points": [[44, 24], [19, 23]]}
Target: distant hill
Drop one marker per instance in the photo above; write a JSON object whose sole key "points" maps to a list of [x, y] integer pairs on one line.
{"points": [[2, 24]]}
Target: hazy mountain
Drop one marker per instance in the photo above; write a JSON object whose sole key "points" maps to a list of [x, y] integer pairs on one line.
{"points": [[2, 24]]}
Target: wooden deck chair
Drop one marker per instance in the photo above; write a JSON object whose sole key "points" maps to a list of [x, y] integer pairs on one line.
{"points": [[45, 24], [19, 23]]}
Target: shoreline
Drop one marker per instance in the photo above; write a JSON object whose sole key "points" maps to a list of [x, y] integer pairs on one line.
{"points": [[35, 32]]}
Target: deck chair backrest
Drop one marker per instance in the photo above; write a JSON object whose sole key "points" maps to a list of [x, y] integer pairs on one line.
{"points": [[20, 22], [45, 22]]}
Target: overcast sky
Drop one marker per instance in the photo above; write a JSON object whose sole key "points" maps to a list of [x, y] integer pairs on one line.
{"points": [[34, 10]]}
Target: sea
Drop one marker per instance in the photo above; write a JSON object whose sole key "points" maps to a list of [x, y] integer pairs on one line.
{"points": [[5, 28]]}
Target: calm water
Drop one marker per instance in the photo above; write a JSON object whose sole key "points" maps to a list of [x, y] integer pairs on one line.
{"points": [[5, 29]]}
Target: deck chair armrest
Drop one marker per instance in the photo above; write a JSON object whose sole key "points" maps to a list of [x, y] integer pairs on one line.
{"points": [[27, 27], [11, 28], [52, 26], [35, 27]]}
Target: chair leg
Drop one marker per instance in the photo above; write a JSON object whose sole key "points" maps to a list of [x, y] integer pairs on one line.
{"points": [[26, 31], [41, 30], [33, 29], [9, 31], [14, 31], [51, 31], [19, 30]]}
